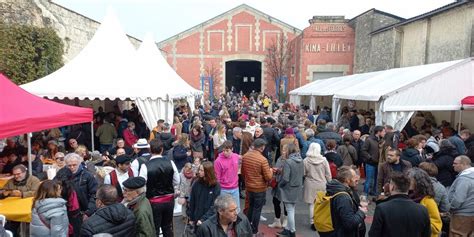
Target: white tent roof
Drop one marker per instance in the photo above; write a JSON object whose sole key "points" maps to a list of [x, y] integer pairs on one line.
{"points": [[393, 81], [104, 69], [330, 86], [153, 66]]}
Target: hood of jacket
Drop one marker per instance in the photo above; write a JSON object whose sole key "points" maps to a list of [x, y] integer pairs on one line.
{"points": [[295, 157], [116, 213], [334, 186], [50, 207], [410, 152], [469, 173], [447, 151], [315, 160], [166, 136]]}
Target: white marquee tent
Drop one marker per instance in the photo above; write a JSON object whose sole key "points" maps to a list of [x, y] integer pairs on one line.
{"points": [[107, 68], [399, 92], [152, 66]]}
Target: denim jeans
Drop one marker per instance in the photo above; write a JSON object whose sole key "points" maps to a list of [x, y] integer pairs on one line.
{"points": [[290, 208], [104, 147], [370, 179], [256, 203], [235, 195]]}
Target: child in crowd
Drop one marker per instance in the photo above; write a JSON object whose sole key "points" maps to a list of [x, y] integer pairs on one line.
{"points": [[184, 189]]}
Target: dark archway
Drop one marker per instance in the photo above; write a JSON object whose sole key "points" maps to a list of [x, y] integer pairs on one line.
{"points": [[243, 76]]}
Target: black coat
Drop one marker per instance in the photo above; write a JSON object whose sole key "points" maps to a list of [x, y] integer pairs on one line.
{"points": [[412, 155], [115, 219], [399, 216], [201, 201], [347, 219], [88, 186], [212, 228], [444, 161]]}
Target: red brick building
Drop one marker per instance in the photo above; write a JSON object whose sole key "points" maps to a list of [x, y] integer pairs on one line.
{"points": [[231, 48]]}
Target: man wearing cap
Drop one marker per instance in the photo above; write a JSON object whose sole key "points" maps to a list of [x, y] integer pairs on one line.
{"points": [[119, 174], [162, 176], [142, 149], [134, 198]]}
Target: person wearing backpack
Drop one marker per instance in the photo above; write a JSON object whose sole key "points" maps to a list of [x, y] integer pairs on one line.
{"points": [[336, 213]]}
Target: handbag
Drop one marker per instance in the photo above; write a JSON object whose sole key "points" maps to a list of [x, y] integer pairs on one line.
{"points": [[273, 182]]}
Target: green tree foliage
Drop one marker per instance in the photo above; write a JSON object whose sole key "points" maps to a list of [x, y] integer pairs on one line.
{"points": [[28, 53]]}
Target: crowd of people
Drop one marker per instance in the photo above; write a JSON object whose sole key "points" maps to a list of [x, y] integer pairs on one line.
{"points": [[236, 147]]}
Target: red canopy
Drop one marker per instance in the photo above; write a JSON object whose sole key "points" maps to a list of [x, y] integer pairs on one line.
{"points": [[468, 100], [22, 112]]}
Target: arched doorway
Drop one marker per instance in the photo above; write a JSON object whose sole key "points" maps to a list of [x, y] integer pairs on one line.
{"points": [[243, 75]]}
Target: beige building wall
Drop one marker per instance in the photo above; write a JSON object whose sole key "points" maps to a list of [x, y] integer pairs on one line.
{"points": [[450, 35], [414, 43]]}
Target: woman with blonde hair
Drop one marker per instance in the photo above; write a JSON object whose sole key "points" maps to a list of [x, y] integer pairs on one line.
{"points": [[317, 174], [219, 138], [49, 214]]}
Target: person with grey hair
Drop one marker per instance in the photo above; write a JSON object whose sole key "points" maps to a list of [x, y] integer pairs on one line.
{"points": [[330, 133], [84, 180], [461, 198], [111, 217], [226, 222], [236, 139], [311, 139]]}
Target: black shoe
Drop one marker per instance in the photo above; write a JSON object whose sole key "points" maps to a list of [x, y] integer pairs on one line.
{"points": [[285, 232], [312, 227], [292, 234]]}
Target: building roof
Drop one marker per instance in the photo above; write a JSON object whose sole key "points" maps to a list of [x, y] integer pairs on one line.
{"points": [[424, 15], [379, 12], [235, 9]]}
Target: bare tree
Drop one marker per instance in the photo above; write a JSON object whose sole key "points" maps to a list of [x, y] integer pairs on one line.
{"points": [[278, 61]]}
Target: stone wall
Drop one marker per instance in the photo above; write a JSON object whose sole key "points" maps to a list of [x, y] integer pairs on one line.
{"points": [[73, 28], [382, 50], [364, 24]]}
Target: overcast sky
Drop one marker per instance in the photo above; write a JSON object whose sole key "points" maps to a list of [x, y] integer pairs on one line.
{"points": [[165, 18]]}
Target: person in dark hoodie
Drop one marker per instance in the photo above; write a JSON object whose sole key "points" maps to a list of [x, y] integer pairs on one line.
{"points": [[444, 161], [347, 218], [166, 138], [411, 154], [111, 217]]}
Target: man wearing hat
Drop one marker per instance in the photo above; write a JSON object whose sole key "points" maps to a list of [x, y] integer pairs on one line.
{"points": [[142, 151], [134, 198], [119, 174]]}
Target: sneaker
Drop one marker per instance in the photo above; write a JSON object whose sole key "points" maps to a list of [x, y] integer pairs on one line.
{"points": [[276, 223], [313, 228], [262, 218], [285, 232]]}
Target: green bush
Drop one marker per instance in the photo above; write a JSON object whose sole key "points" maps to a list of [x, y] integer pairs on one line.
{"points": [[28, 53]]}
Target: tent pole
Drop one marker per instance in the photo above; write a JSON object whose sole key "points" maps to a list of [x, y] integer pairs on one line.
{"points": [[30, 163], [460, 119], [92, 135]]}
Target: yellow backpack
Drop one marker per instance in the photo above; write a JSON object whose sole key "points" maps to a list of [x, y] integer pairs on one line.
{"points": [[322, 211]]}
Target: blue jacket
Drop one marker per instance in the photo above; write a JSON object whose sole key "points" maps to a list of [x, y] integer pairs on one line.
{"points": [[308, 142]]}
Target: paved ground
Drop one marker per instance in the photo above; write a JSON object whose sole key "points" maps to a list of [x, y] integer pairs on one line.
{"points": [[302, 219]]}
